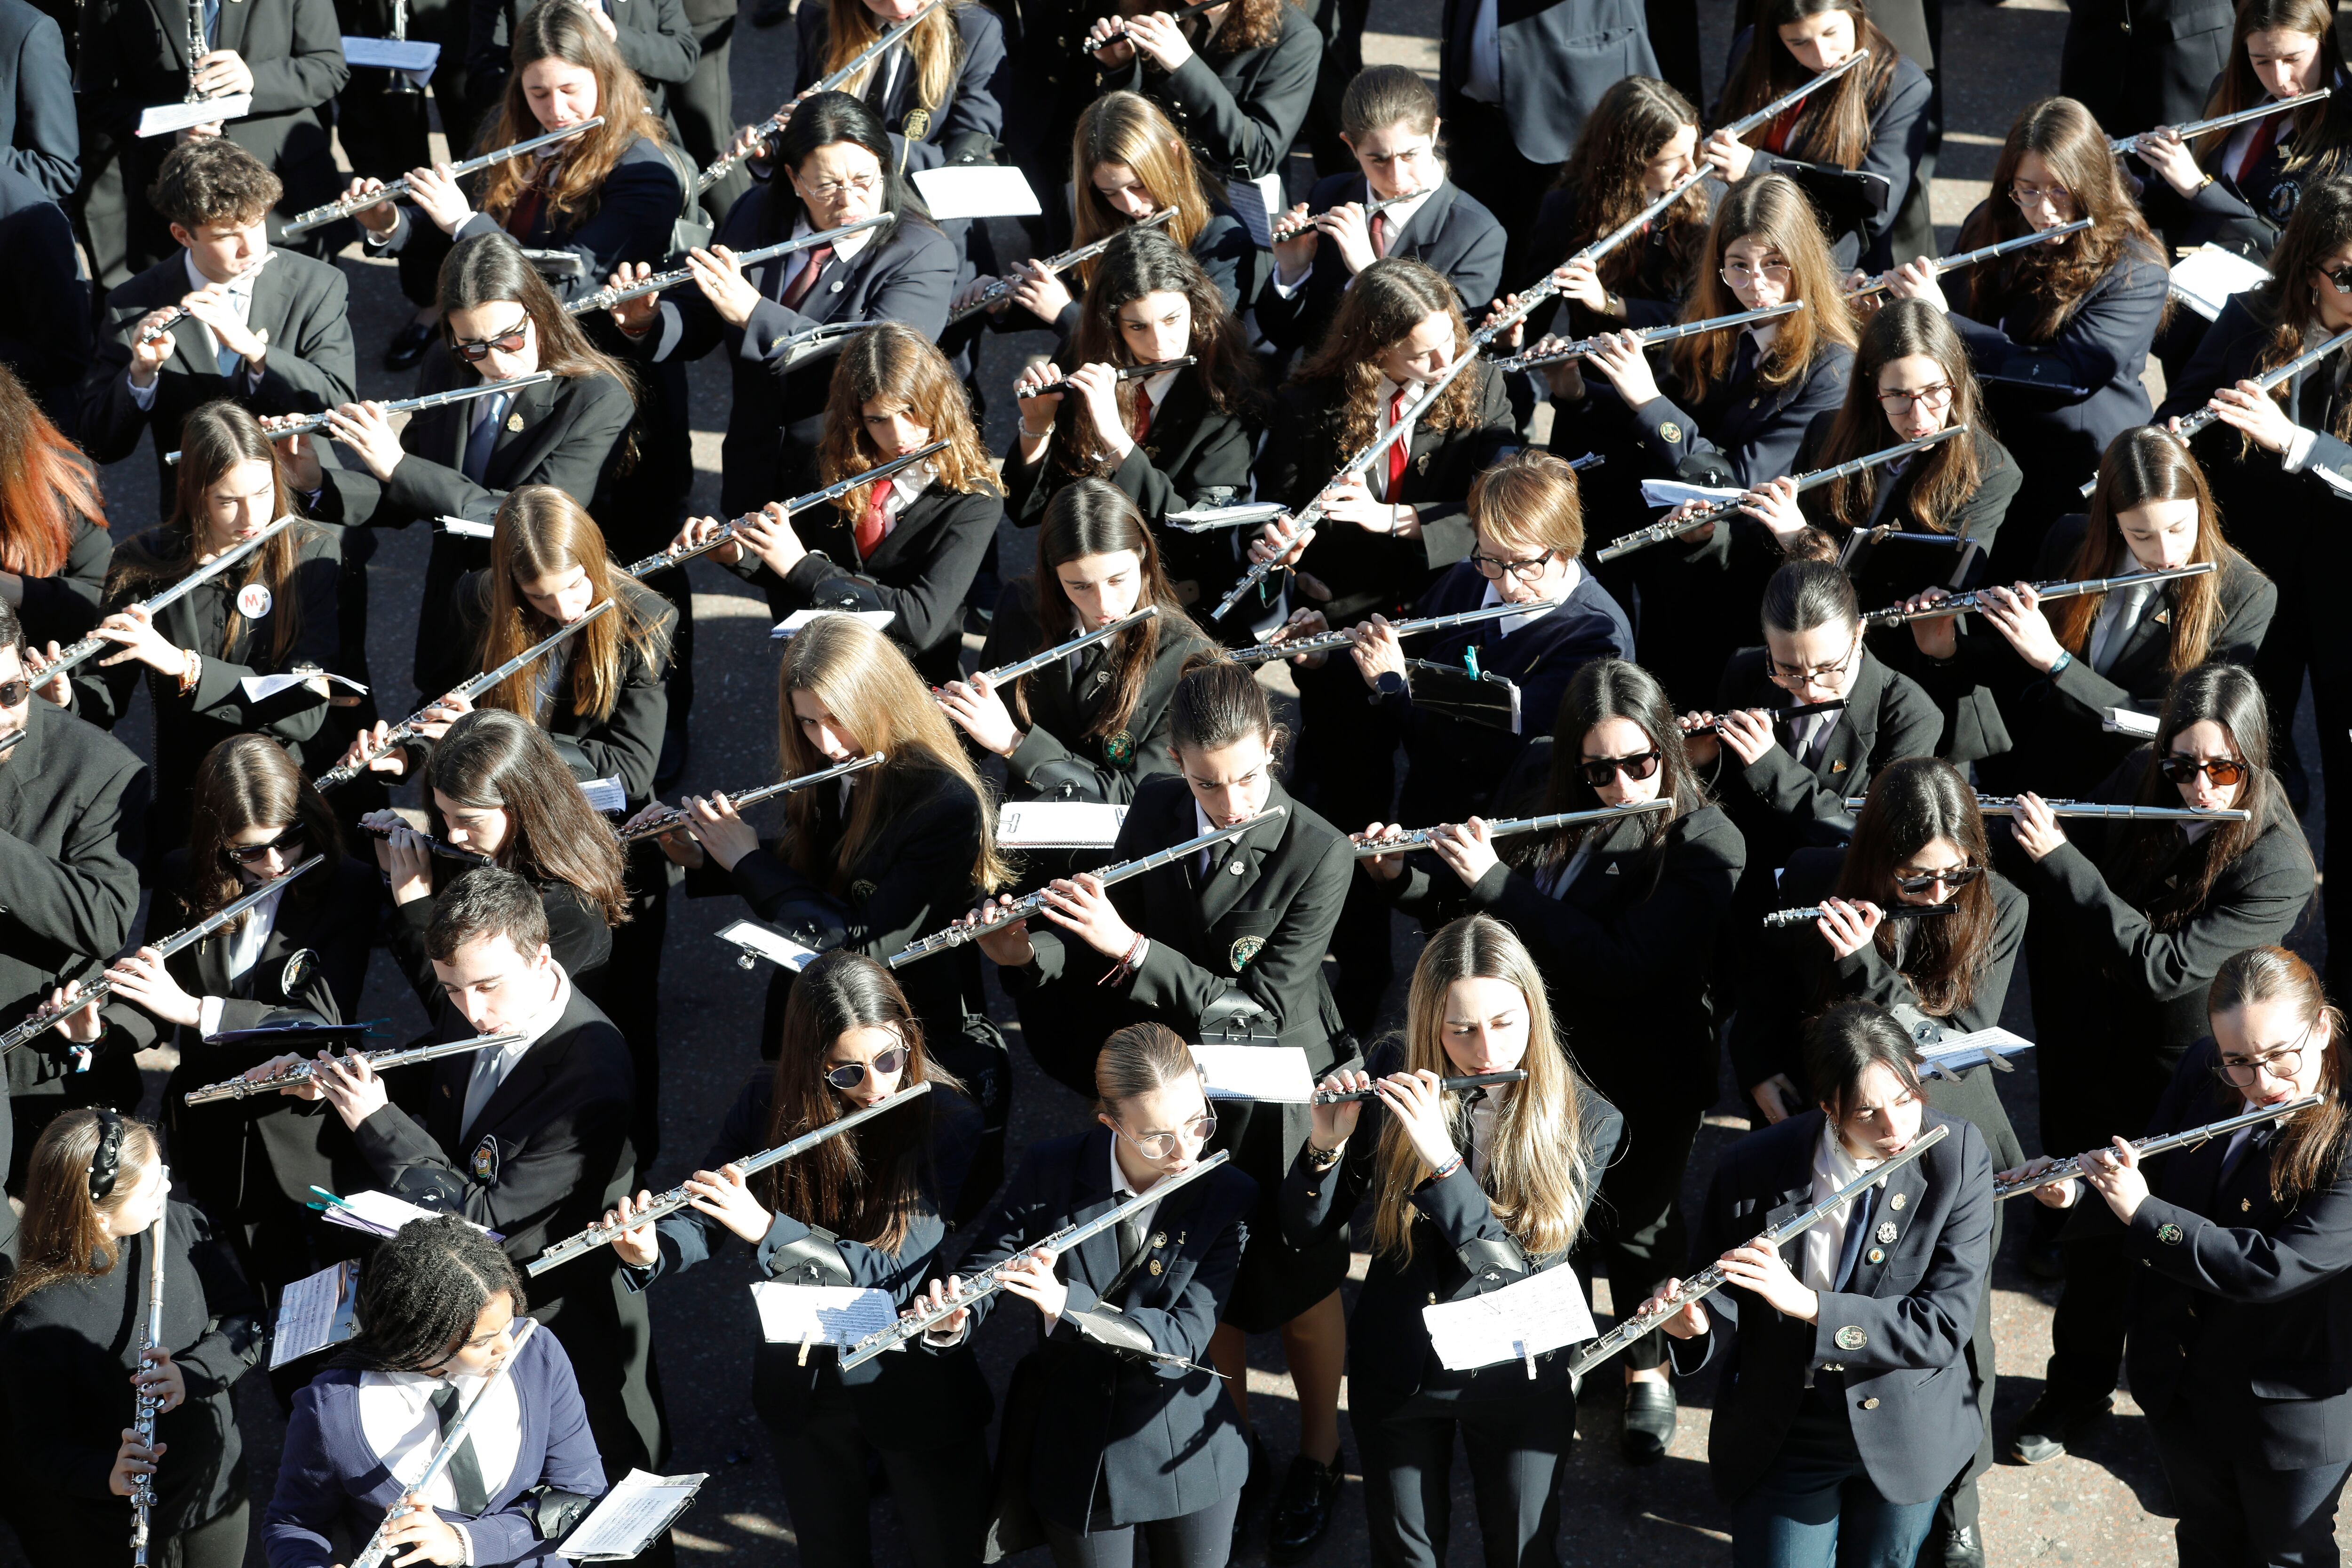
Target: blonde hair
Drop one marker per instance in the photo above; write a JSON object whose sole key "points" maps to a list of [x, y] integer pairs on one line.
{"points": [[1129, 129], [933, 48], [1529, 501], [541, 532]]}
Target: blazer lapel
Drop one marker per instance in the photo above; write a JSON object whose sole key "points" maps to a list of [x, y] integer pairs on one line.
{"points": [[920, 516], [228, 33], [1226, 885], [523, 435], [1096, 1259], [1176, 424], [526, 1079], [1421, 231], [172, 20], [1892, 1210]]}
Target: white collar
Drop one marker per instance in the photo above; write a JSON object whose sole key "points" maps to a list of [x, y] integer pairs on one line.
{"points": [[1504, 626], [845, 249], [1764, 333], [1155, 388], [239, 287], [1401, 213], [909, 483]]}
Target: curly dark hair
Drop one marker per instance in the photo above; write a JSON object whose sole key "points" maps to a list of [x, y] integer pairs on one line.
{"points": [[213, 180], [421, 1291]]}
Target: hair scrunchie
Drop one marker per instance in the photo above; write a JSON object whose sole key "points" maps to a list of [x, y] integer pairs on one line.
{"points": [[107, 1163]]}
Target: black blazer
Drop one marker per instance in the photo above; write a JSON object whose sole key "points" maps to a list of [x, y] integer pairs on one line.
{"points": [[1057, 759], [1891, 1347], [1260, 931], [1241, 112], [2139, 64], [62, 608], [2239, 1307], [303, 305], [654, 37], [1388, 1354], [776, 416], [1192, 455], [964, 129], [2244, 216], [1901, 131], [44, 331], [1367, 572], [37, 102], [1654, 295], [1559, 57], [1121, 1440], [1756, 428], [1452, 231], [1880, 581]]}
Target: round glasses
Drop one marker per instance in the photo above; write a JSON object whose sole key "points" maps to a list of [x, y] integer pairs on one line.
{"points": [[1495, 568], [1739, 275], [1162, 1145], [1599, 770], [1816, 674], [2245, 1073], [2223, 770], [887, 1063], [285, 844], [1952, 877], [2060, 198], [1934, 399], [864, 184]]}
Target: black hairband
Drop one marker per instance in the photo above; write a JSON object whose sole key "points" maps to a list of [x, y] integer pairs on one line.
{"points": [[107, 1163]]}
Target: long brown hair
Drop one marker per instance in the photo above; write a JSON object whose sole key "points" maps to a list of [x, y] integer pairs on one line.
{"points": [[1539, 1178], [1833, 126], [1248, 24], [1387, 303], [2310, 1147], [60, 1238], [866, 1183], [563, 30], [1912, 803], [46, 483], [1603, 690], [495, 760], [866, 682], [933, 48], [2289, 299], [1948, 472], [543, 533], [892, 362], [216, 437], [249, 781], [2033, 291], [1630, 125], [1128, 128], [2147, 463], [489, 269], [2322, 129], [1771, 208], [1095, 516]]}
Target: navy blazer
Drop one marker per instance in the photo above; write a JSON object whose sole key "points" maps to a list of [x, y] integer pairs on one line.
{"points": [[638, 204], [2244, 216], [1900, 136], [1558, 57], [330, 1483], [964, 129], [2242, 1306], [1756, 427], [1891, 1347], [45, 327], [1130, 1440], [1241, 112], [37, 101], [1452, 231]]}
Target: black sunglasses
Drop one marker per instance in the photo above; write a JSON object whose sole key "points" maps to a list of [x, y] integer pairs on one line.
{"points": [[1953, 877], [474, 350], [2341, 277], [1599, 770], [2223, 770], [284, 844], [12, 693], [886, 1062]]}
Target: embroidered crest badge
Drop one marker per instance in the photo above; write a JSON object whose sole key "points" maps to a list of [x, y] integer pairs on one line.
{"points": [[485, 1160], [1118, 750], [297, 973], [1244, 947]]}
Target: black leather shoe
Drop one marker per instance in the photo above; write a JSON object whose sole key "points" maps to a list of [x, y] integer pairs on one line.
{"points": [[1302, 1513], [407, 346], [2043, 1259], [1649, 1422], [2053, 1422], [1963, 1547]]}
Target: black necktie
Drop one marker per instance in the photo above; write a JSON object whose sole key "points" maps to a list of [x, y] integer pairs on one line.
{"points": [[1857, 1226], [1743, 363], [464, 1470]]}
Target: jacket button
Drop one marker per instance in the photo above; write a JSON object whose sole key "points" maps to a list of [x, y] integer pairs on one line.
{"points": [[1870, 1405], [1432, 1298]]}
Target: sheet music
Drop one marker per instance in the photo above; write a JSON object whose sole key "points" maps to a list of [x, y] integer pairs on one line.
{"points": [[626, 1519], [314, 1313], [604, 795], [411, 55], [2206, 277], [1255, 1072], [1540, 1314], [773, 945], [1670, 493], [261, 687], [1257, 203], [2128, 721], [166, 119], [467, 527], [984, 192], [1058, 824], [1957, 1053], [878, 620], [820, 1314], [381, 1213]]}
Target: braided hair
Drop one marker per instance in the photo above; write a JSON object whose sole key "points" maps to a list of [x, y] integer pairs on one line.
{"points": [[422, 1292]]}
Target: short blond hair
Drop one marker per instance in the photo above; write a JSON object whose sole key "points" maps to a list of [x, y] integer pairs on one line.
{"points": [[1530, 501]]}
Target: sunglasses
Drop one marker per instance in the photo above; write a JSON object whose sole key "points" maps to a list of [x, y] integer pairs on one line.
{"points": [[2223, 770], [285, 844], [2340, 279], [1599, 770], [12, 693], [887, 1063], [474, 350], [1953, 877]]}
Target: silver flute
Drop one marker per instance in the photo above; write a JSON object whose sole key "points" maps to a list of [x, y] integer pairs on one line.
{"points": [[921, 1321], [1021, 667], [1324, 642], [312, 424], [1944, 263], [1715, 727], [1504, 828], [603, 1233], [1963, 603], [408, 728], [162, 326], [381, 1061], [774, 124], [2002, 805], [151, 1404], [1291, 229], [378, 1551], [1002, 915], [661, 560], [1539, 356], [343, 206], [1712, 1277], [671, 821], [1124, 373], [609, 296], [73, 658], [46, 1015], [2270, 380], [1778, 919], [1450, 1084], [1059, 262], [1659, 532], [2197, 127], [2164, 1142], [441, 846]]}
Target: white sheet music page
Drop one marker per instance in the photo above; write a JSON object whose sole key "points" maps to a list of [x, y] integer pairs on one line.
{"points": [[625, 1520], [1058, 824], [820, 1314], [1540, 1314], [1255, 1072], [314, 1313]]}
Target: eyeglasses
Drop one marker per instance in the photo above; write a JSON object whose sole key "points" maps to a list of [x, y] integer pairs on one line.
{"points": [[2241, 1073], [474, 350], [2223, 770], [1952, 877], [1934, 399], [284, 845], [13, 693], [2058, 196], [864, 184], [1814, 674], [1599, 770], [1494, 567], [886, 1064], [1160, 1145], [1739, 275]]}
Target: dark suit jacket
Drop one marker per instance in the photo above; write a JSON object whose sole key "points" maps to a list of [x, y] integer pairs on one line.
{"points": [[303, 305], [1056, 758], [636, 207], [1757, 428], [1559, 57], [1654, 295], [2244, 216], [1139, 1440], [1901, 132], [37, 101], [2139, 64], [2242, 1309], [655, 37], [777, 414], [964, 129], [1890, 1346], [1451, 230], [1191, 450], [1389, 1355], [44, 331], [1240, 112], [64, 607]]}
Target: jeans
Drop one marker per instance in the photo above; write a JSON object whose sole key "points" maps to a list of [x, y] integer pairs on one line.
{"points": [[1816, 1507], [2235, 1512]]}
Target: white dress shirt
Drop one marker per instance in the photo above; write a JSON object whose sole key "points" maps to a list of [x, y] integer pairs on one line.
{"points": [[397, 1418], [1505, 627], [245, 940], [673, 325], [491, 1067], [239, 298]]}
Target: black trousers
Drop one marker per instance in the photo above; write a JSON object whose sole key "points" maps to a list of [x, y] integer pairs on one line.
{"points": [[1202, 1539], [218, 1542], [1516, 1449], [2086, 1332], [704, 108], [1642, 1239], [939, 1491], [2235, 1512]]}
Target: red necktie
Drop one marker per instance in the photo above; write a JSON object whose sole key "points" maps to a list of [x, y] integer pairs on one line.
{"points": [[818, 259], [1379, 233], [875, 523], [2265, 133], [1143, 415], [1396, 448], [524, 214], [1784, 125]]}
